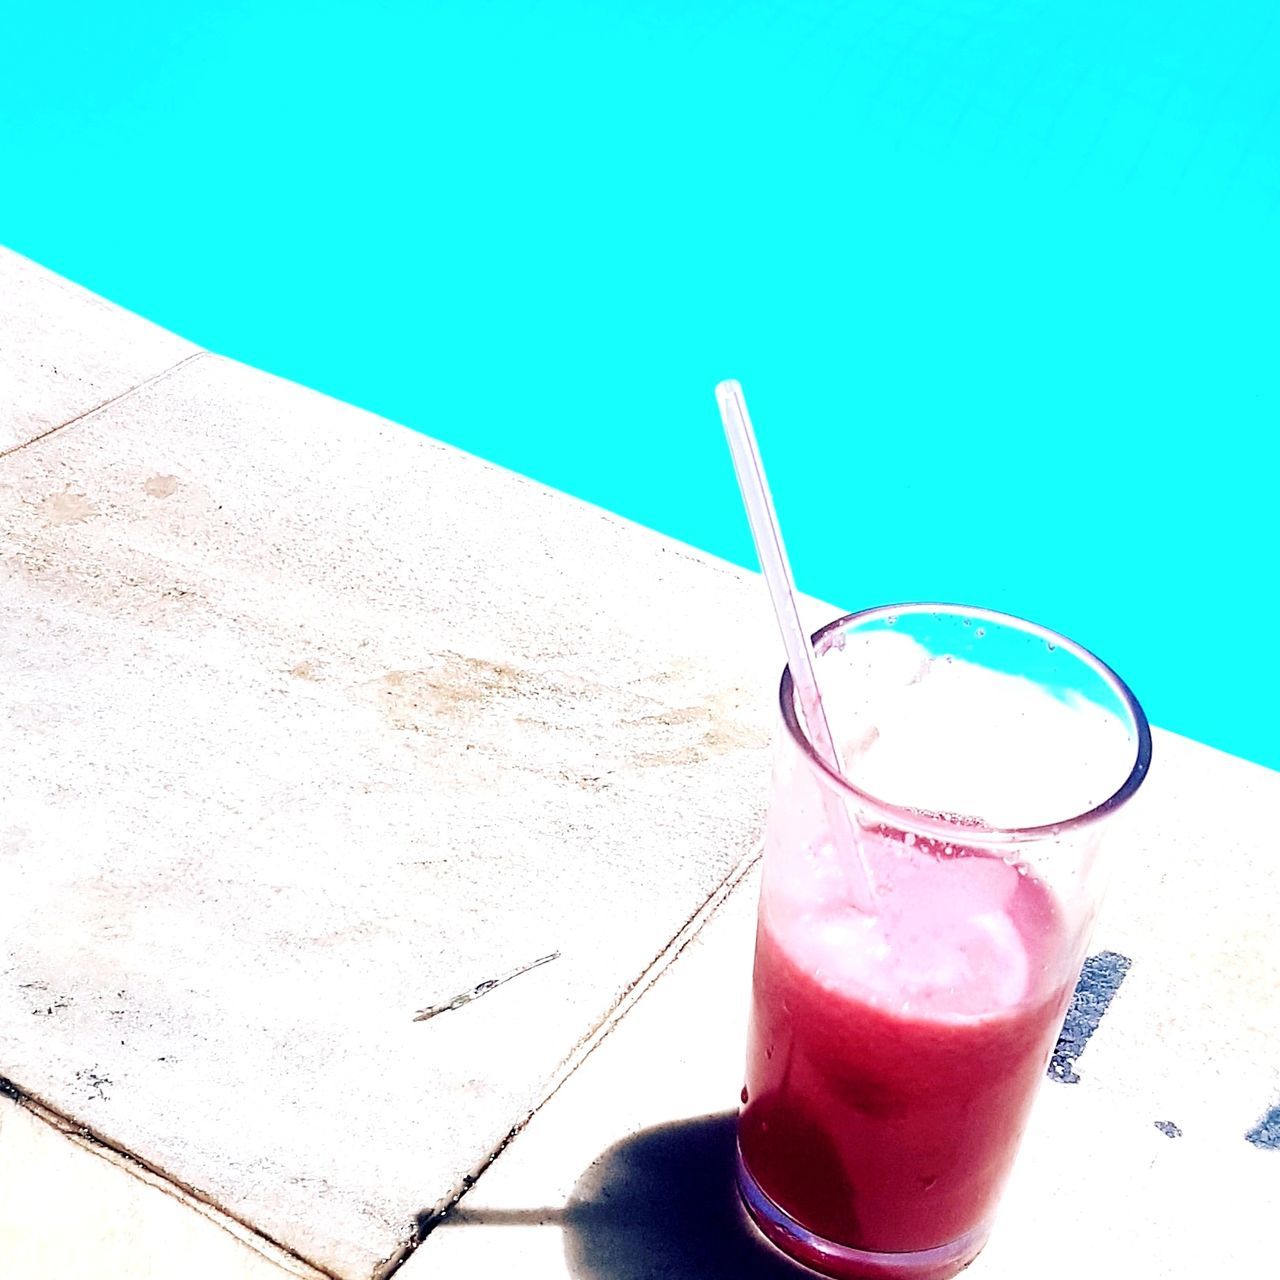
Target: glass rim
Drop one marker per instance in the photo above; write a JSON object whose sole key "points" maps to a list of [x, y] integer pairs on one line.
{"points": [[921, 820]]}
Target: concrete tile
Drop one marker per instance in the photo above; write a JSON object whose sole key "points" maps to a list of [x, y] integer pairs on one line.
{"points": [[64, 351], [73, 1211], [313, 722], [626, 1172]]}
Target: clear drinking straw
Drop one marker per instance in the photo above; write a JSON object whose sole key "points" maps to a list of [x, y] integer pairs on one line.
{"points": [[776, 569]]}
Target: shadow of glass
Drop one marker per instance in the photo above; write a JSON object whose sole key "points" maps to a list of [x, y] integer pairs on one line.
{"points": [[661, 1205]]}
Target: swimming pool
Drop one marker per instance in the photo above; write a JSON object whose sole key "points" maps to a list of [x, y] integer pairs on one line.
{"points": [[999, 277]]}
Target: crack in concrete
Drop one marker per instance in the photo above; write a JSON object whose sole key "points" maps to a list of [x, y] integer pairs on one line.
{"points": [[428, 1219], [482, 988], [97, 408], [134, 1165]]}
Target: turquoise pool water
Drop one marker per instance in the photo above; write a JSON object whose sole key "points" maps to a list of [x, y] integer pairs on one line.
{"points": [[1000, 277]]}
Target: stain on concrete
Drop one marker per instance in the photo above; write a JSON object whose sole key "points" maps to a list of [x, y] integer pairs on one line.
{"points": [[466, 717], [1266, 1133], [587, 781], [94, 1080], [161, 486], [1168, 1128], [67, 507], [699, 732], [1100, 979], [456, 689], [622, 724], [716, 739], [304, 671], [49, 1009]]}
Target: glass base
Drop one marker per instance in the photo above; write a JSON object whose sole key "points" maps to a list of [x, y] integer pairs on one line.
{"points": [[843, 1261]]}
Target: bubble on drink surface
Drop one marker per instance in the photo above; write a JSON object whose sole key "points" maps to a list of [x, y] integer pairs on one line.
{"points": [[838, 935]]}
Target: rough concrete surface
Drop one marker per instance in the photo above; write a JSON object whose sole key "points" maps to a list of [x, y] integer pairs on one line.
{"points": [[311, 722], [626, 1174], [64, 351], [75, 1211]]}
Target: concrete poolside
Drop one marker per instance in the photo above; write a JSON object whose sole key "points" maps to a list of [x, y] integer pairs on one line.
{"points": [[312, 722]]}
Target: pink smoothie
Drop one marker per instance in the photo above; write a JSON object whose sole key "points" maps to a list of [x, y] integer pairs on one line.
{"points": [[893, 1059]]}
